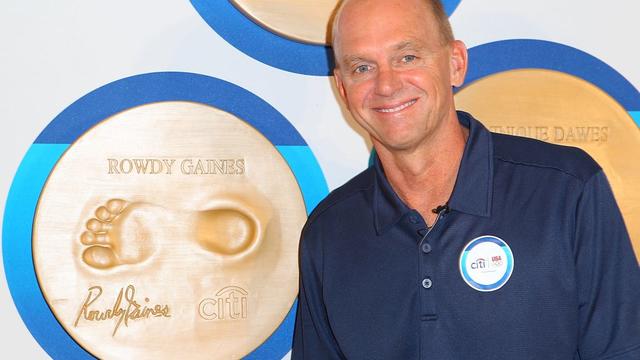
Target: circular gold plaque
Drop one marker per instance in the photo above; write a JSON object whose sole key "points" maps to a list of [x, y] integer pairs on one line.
{"points": [[302, 20], [169, 230], [563, 109]]}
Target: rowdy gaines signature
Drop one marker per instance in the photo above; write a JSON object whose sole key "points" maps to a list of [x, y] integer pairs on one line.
{"points": [[124, 309]]}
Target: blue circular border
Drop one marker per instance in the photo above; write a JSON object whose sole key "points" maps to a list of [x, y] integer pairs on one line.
{"points": [[80, 117], [500, 56], [267, 47], [510, 263]]}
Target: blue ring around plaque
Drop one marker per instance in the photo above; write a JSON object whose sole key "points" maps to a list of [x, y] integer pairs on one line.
{"points": [[267, 47], [79, 117], [499, 56]]}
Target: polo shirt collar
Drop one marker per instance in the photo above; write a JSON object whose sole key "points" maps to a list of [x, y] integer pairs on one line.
{"points": [[473, 190]]}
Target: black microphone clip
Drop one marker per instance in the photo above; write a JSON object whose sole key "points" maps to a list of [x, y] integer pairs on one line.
{"points": [[440, 208]]}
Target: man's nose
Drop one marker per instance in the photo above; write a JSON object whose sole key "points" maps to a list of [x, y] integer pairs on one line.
{"points": [[388, 81]]}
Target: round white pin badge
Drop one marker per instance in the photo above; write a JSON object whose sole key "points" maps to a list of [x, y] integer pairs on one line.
{"points": [[486, 263]]}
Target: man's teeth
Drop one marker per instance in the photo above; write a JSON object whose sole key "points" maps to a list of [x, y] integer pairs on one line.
{"points": [[398, 108]]}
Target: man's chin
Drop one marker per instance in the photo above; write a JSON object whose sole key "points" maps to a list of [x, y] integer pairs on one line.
{"points": [[395, 145]]}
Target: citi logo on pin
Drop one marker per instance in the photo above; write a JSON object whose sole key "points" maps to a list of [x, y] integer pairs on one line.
{"points": [[486, 263], [482, 264]]}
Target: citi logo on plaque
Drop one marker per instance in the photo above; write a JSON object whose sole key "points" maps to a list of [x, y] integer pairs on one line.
{"points": [[230, 303]]}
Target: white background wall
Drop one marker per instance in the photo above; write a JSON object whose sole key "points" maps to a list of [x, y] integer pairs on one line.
{"points": [[52, 53]]}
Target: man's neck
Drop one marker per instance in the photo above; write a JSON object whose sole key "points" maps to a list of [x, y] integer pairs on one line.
{"points": [[424, 177]]}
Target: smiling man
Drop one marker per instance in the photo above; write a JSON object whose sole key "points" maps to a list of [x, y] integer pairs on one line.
{"points": [[458, 243]]}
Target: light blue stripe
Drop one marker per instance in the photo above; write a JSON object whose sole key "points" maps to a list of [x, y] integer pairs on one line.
{"points": [[279, 343], [314, 188], [307, 171], [16, 250], [635, 115]]}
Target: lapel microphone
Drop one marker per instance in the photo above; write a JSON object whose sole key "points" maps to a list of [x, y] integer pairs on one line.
{"points": [[440, 208]]}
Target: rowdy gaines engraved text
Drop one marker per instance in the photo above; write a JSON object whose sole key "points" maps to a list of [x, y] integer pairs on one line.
{"points": [[124, 308], [152, 166]]}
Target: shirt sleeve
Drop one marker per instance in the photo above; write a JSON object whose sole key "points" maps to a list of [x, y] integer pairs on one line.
{"points": [[312, 338], [608, 277]]}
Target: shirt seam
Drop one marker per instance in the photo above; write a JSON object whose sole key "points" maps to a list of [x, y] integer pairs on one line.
{"points": [[616, 354], [574, 241], [543, 166], [322, 207], [490, 174], [578, 203]]}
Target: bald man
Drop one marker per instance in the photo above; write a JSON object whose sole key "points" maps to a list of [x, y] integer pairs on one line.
{"points": [[458, 243]]}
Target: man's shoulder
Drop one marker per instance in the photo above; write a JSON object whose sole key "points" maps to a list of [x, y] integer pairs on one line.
{"points": [[531, 152], [358, 184]]}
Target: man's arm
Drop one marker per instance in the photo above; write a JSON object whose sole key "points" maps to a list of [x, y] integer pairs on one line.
{"points": [[608, 277], [313, 338]]}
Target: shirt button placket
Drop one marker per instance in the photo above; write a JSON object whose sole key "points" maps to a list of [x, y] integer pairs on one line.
{"points": [[426, 249], [426, 257]]}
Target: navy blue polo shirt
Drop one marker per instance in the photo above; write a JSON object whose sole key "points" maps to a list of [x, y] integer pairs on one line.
{"points": [[376, 283]]}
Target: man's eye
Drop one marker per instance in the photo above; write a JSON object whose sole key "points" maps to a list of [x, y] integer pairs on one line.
{"points": [[408, 58], [362, 69]]}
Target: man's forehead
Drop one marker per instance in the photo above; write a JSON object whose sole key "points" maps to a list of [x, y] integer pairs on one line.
{"points": [[410, 43], [356, 17], [362, 9], [363, 41], [364, 27], [410, 3]]}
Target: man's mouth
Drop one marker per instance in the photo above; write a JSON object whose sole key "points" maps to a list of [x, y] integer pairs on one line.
{"points": [[397, 108]]}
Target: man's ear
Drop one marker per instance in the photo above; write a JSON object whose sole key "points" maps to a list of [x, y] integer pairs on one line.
{"points": [[340, 85], [459, 62]]}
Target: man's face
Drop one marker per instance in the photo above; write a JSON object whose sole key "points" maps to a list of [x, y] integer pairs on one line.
{"points": [[394, 72]]}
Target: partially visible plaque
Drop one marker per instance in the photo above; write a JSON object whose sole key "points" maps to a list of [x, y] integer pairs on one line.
{"points": [[302, 20], [562, 109], [167, 231]]}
